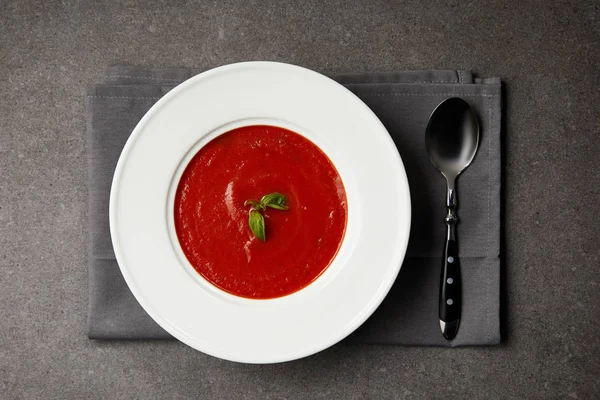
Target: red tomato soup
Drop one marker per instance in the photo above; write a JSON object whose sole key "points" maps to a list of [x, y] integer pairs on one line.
{"points": [[212, 222]]}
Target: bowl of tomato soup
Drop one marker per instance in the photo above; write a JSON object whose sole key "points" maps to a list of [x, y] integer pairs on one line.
{"points": [[259, 212]]}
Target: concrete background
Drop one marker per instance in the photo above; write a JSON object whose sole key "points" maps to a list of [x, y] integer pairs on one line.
{"points": [[547, 52]]}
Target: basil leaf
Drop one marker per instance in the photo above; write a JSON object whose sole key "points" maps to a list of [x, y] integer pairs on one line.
{"points": [[274, 200], [256, 220], [257, 224]]}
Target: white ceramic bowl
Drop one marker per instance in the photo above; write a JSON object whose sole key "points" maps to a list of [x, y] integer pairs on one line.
{"points": [[142, 226]]}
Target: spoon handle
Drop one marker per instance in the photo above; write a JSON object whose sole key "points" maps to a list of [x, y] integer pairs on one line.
{"points": [[450, 283]]}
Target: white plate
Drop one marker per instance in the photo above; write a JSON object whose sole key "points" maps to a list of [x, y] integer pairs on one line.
{"points": [[179, 299]]}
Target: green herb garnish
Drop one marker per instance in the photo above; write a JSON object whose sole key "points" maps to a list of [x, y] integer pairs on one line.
{"points": [[257, 224], [256, 220]]}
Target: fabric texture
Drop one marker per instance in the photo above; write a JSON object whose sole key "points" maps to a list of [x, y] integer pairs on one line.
{"points": [[403, 101]]}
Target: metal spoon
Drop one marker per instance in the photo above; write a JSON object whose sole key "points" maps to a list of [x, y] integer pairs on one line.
{"points": [[451, 140]]}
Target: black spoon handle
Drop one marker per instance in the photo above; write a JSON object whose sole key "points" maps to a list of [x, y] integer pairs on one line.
{"points": [[450, 284]]}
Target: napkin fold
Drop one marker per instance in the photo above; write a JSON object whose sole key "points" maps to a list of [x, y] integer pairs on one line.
{"points": [[403, 101]]}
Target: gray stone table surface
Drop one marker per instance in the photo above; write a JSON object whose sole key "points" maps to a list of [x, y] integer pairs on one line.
{"points": [[547, 53]]}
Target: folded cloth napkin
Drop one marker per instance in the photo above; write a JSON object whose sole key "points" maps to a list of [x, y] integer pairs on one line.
{"points": [[403, 101]]}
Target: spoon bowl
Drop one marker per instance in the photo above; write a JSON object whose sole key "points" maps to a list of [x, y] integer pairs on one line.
{"points": [[452, 137]]}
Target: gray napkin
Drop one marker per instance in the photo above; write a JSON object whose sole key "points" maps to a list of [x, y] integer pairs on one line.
{"points": [[403, 101]]}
